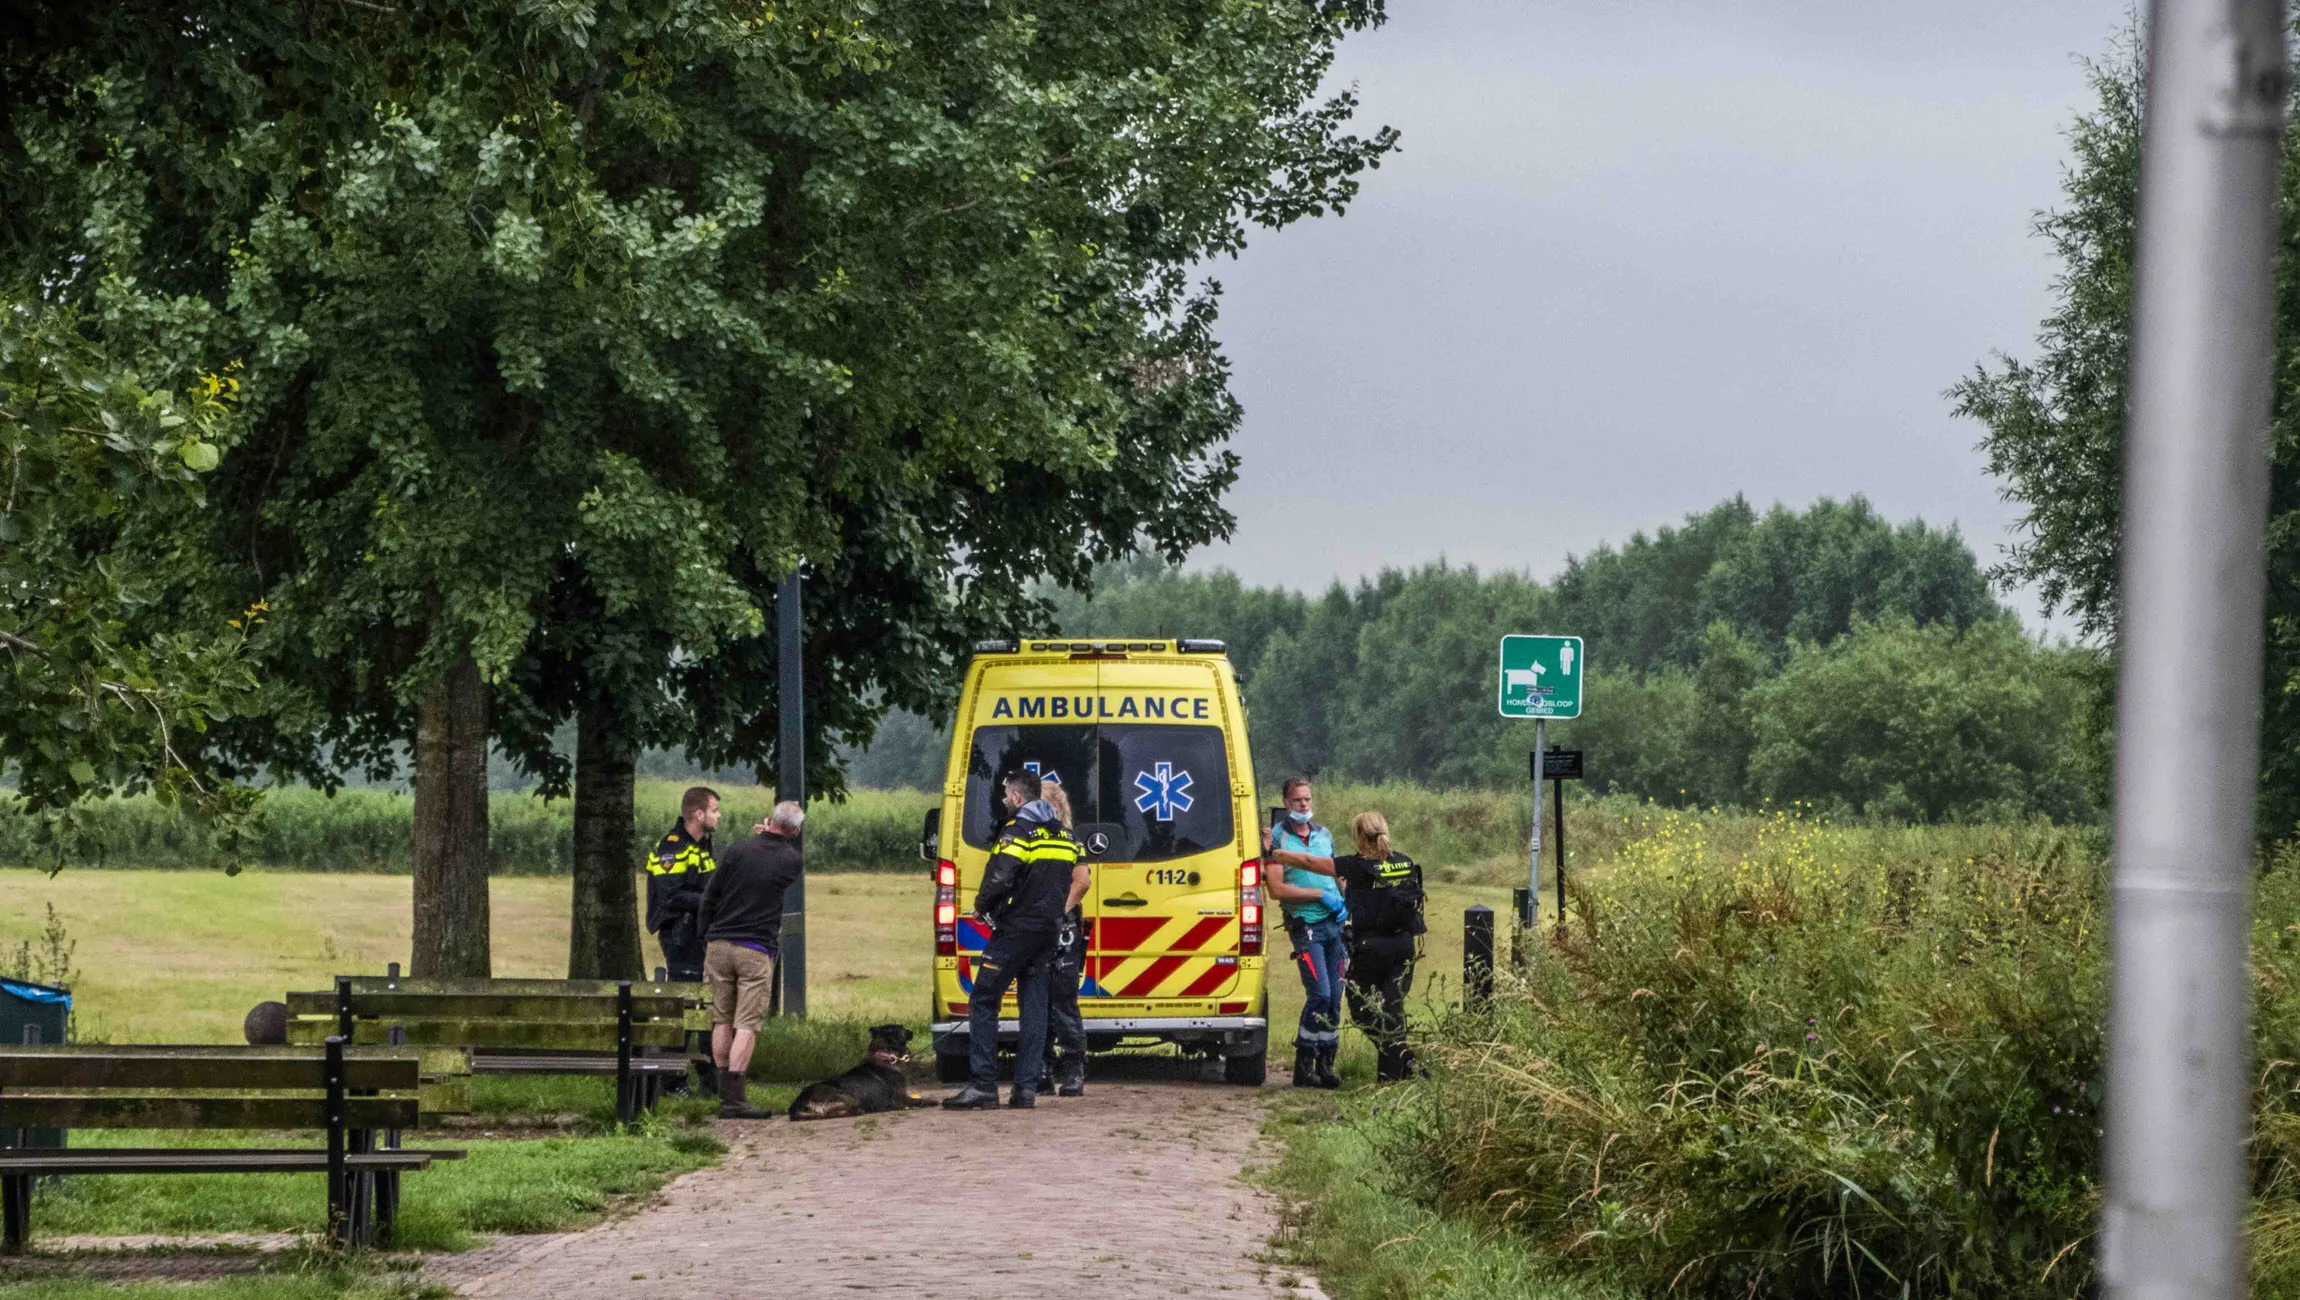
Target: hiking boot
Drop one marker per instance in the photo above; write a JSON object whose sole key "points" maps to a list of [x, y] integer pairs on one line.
{"points": [[972, 1098], [1389, 1065], [1073, 1076], [1324, 1065], [734, 1098], [1022, 1098], [1305, 1068]]}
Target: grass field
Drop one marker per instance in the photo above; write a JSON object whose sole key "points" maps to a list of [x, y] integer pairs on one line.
{"points": [[177, 956], [180, 956]]}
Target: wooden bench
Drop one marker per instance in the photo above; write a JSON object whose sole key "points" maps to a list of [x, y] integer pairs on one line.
{"points": [[521, 1026], [349, 1092]]}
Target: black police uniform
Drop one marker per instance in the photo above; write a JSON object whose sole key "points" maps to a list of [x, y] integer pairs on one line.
{"points": [[1386, 923], [1024, 889], [1065, 1027], [676, 873]]}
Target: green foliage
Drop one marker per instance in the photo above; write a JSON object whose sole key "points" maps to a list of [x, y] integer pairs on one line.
{"points": [[108, 690], [1777, 580], [570, 329], [2055, 423], [1791, 1061], [1403, 714], [1920, 724], [1133, 596], [1858, 657]]}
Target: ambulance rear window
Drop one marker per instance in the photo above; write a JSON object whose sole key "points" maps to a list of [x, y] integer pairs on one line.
{"points": [[1154, 792]]}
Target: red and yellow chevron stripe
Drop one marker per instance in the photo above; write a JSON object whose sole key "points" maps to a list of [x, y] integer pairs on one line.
{"points": [[1162, 957]]}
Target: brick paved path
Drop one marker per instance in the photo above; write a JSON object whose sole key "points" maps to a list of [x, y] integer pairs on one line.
{"points": [[1130, 1191]]}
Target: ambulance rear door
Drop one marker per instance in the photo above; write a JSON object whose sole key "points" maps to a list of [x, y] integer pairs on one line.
{"points": [[1163, 843]]}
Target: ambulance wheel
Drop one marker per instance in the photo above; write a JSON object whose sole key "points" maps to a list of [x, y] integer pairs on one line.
{"points": [[1246, 1071], [952, 1068]]}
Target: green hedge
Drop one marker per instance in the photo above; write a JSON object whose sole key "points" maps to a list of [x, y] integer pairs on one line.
{"points": [[1460, 834], [373, 830]]}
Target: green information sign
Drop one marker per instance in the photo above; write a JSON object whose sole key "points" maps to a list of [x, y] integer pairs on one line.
{"points": [[1541, 676]]}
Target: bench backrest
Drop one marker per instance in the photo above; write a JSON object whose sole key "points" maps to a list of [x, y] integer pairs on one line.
{"points": [[534, 1015], [206, 1086]]}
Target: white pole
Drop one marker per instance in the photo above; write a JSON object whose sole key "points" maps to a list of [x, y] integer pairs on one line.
{"points": [[1533, 876], [2195, 502]]}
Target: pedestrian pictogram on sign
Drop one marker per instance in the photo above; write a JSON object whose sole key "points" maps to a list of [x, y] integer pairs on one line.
{"points": [[1541, 676]]}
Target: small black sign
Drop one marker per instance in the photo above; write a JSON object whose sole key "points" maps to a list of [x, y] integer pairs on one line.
{"points": [[1558, 765]]}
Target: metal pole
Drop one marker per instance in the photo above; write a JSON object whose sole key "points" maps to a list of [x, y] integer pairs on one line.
{"points": [[791, 783], [1557, 802], [2195, 503], [1532, 916]]}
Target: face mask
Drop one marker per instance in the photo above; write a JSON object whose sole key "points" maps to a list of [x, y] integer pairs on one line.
{"points": [[1300, 818]]}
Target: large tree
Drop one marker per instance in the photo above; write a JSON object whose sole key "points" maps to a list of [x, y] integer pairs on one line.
{"points": [[569, 331], [2055, 423]]}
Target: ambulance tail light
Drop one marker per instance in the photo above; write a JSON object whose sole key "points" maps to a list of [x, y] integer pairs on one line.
{"points": [[946, 909], [1250, 908]]}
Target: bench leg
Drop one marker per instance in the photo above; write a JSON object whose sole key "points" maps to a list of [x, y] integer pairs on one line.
{"points": [[362, 1191], [15, 1212], [386, 1206]]}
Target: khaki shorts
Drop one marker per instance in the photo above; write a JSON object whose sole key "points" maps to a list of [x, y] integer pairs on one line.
{"points": [[741, 980]]}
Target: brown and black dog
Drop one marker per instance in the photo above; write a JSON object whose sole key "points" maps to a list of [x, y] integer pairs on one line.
{"points": [[875, 1085]]}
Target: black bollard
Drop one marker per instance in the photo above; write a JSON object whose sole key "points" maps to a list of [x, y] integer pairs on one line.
{"points": [[1477, 957]]}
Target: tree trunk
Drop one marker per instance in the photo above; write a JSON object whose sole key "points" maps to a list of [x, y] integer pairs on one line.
{"points": [[603, 940], [451, 932]]}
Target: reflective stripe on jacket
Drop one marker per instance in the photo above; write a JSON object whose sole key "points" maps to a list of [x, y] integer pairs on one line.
{"points": [[1026, 885], [675, 872]]}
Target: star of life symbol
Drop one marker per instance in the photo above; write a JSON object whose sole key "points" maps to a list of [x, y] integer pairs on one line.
{"points": [[1032, 768], [1165, 791]]}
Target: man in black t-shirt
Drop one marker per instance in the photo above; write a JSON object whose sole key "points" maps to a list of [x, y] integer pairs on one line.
{"points": [[741, 918]]}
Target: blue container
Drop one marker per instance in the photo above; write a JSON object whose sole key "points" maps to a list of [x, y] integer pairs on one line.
{"points": [[33, 1013]]}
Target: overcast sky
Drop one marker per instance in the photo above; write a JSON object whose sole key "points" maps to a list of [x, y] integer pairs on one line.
{"points": [[1635, 257]]}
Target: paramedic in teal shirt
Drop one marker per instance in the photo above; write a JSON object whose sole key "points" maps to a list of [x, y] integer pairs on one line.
{"points": [[1314, 916]]}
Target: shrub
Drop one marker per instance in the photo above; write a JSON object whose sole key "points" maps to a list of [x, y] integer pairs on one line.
{"points": [[1771, 1058]]}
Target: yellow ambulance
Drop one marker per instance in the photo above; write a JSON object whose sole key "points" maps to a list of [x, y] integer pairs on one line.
{"points": [[1148, 738]]}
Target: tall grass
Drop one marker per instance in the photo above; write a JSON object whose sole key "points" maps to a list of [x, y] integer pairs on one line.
{"points": [[1775, 1058], [373, 830], [1348, 1222]]}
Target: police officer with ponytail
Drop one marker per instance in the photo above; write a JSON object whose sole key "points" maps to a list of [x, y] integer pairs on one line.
{"points": [[1066, 970], [1384, 891]]}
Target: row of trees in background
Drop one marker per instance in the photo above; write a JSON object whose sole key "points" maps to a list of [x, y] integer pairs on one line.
{"points": [[1826, 655], [557, 334]]}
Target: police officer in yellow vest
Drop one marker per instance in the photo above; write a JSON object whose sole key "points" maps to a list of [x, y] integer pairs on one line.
{"points": [[1034, 877], [676, 873]]}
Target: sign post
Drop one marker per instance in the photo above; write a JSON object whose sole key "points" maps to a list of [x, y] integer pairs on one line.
{"points": [[1540, 679], [1558, 766]]}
